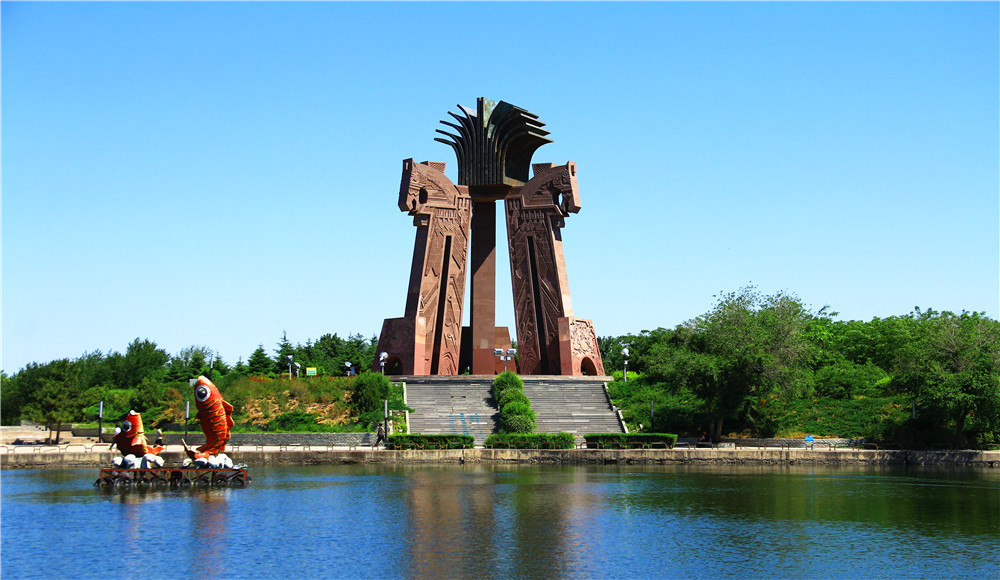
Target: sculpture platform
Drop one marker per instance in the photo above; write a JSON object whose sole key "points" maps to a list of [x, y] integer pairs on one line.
{"points": [[171, 477]]}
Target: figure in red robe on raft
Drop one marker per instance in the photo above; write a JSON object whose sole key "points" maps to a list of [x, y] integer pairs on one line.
{"points": [[135, 449], [215, 417]]}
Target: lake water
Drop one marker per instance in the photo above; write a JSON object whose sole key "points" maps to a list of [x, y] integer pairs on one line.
{"points": [[475, 521]]}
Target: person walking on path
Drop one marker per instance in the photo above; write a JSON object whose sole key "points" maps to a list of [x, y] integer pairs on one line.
{"points": [[381, 435]]}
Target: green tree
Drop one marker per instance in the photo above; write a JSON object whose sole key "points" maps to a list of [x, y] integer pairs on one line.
{"points": [[56, 386], [360, 351], [149, 396], [304, 354], [843, 379], [880, 341], [640, 350], [240, 368], [746, 348], [327, 352], [94, 370], [14, 399], [611, 352], [281, 354], [23, 391], [370, 389], [259, 363], [333, 353], [219, 367], [952, 369], [190, 362], [142, 359]]}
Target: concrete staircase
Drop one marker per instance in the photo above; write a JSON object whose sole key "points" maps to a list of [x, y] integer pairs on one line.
{"points": [[577, 405], [463, 404], [446, 405]]}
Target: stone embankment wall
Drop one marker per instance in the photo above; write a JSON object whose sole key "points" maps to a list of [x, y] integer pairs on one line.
{"points": [[293, 454], [345, 439], [195, 439]]}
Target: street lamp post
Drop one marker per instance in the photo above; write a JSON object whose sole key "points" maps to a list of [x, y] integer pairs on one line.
{"points": [[505, 355], [625, 372], [382, 357], [289, 359], [298, 367], [348, 365], [100, 422]]}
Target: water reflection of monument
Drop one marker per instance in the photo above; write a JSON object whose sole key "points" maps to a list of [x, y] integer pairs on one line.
{"points": [[210, 531], [490, 522], [494, 145], [449, 517]]}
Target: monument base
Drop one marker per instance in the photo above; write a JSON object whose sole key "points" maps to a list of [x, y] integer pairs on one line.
{"points": [[578, 351], [404, 339], [501, 340]]}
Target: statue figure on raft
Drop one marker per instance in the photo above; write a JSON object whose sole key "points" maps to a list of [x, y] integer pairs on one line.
{"points": [[215, 417], [134, 447]]}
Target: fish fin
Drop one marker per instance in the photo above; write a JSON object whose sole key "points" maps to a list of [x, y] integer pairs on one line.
{"points": [[227, 407]]}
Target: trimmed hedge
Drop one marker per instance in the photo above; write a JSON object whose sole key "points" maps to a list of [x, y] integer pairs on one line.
{"points": [[506, 380], [629, 440], [512, 396], [530, 441], [522, 424], [516, 408], [430, 442], [516, 415]]}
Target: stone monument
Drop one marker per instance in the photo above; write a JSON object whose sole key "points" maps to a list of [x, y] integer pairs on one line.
{"points": [[494, 144]]}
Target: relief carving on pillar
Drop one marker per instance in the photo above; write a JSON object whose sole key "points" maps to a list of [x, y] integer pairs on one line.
{"points": [[442, 213], [580, 352], [535, 213], [582, 338]]}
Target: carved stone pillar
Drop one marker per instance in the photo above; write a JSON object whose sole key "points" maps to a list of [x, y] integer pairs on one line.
{"points": [[427, 339], [535, 214]]}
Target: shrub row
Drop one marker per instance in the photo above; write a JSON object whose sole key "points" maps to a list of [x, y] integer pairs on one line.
{"points": [[516, 414], [430, 442], [530, 441], [626, 440]]}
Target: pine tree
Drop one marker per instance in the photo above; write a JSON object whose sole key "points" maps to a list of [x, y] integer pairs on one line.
{"points": [[284, 350], [259, 363]]}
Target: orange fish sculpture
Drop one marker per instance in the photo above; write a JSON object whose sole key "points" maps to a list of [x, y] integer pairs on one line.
{"points": [[216, 418], [131, 439]]}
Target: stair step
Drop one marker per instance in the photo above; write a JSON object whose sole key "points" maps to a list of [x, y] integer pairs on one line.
{"points": [[464, 405]]}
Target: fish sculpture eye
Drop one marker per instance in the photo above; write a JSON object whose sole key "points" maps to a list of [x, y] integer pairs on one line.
{"points": [[126, 425], [201, 393]]}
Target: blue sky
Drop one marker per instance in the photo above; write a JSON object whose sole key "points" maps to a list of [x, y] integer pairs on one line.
{"points": [[220, 173]]}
